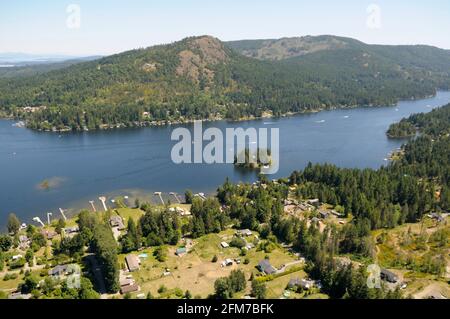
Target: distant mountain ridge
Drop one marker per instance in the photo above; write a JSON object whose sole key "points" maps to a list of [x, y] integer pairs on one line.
{"points": [[285, 48], [30, 68], [205, 78], [279, 49], [19, 58]]}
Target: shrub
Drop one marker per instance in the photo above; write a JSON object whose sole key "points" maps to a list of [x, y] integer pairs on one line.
{"points": [[238, 242], [162, 289]]}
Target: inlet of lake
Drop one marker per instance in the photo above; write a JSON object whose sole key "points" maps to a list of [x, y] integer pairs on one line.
{"points": [[79, 167]]}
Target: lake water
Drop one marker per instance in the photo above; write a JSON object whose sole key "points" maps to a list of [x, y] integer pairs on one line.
{"points": [[136, 162]]}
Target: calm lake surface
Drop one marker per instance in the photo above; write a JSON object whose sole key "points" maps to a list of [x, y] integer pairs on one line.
{"points": [[136, 162]]}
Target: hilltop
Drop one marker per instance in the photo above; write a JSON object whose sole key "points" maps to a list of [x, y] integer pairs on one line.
{"points": [[205, 78], [279, 49]]}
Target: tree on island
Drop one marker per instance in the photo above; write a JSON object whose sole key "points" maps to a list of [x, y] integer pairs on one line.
{"points": [[253, 159]]}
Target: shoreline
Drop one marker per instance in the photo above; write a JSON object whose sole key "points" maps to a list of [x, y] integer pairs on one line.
{"points": [[74, 202], [268, 115]]}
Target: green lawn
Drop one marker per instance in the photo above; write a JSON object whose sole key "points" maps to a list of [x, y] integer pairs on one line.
{"points": [[127, 213], [196, 272]]}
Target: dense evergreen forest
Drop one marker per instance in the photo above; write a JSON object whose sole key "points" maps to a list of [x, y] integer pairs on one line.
{"points": [[385, 198], [434, 123], [404, 191], [200, 78]]}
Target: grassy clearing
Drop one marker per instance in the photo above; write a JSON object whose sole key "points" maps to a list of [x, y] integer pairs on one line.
{"points": [[276, 287], [413, 251], [12, 284], [196, 272], [127, 213]]}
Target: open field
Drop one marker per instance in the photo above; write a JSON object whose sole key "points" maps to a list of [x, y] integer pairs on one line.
{"points": [[127, 213], [418, 254], [196, 272]]}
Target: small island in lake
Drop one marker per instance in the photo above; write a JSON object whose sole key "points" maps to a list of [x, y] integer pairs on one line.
{"points": [[53, 182], [253, 159]]}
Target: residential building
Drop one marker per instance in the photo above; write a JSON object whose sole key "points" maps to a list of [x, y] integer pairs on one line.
{"points": [[265, 267], [132, 262]]}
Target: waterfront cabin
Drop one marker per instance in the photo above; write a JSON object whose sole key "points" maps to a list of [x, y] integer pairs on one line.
{"points": [[117, 221]]}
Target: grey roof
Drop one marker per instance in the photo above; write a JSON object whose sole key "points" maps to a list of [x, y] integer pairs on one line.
{"points": [[303, 283], [73, 229], [388, 275], [117, 221], [315, 219], [324, 214], [265, 266], [294, 282], [246, 232], [132, 262], [58, 270]]}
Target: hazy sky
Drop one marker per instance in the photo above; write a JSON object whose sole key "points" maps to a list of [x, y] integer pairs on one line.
{"points": [[110, 26]]}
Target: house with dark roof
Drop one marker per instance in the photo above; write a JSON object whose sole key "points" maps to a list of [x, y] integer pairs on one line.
{"points": [[59, 270], [388, 276], [323, 214], [265, 267], [71, 230]]}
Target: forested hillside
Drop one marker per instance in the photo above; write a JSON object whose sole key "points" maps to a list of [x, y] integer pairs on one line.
{"points": [[435, 123], [202, 77], [402, 192]]}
